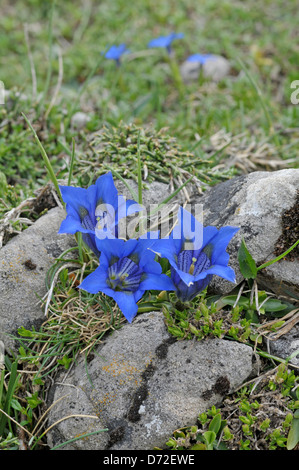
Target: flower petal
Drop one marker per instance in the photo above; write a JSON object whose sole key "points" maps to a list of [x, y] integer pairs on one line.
{"points": [[89, 240], [127, 304], [157, 282], [185, 293], [106, 191], [226, 272], [201, 58], [165, 41], [111, 247], [188, 230], [79, 208], [165, 248], [70, 225], [77, 198], [220, 242], [73, 195], [95, 282], [115, 52]]}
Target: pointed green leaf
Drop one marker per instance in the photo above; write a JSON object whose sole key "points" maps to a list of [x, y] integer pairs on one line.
{"points": [[274, 305], [209, 437], [215, 423], [247, 264], [293, 437], [231, 299], [199, 446]]}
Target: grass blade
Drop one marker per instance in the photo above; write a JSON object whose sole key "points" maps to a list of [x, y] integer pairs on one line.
{"points": [[133, 194], [71, 162], [139, 170], [45, 158], [278, 257], [13, 381], [79, 437], [261, 100]]}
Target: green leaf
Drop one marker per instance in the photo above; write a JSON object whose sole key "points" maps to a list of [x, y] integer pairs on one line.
{"points": [[65, 361], [274, 305], [252, 316], [247, 264], [176, 331], [3, 183], [199, 446], [209, 437], [16, 405], [215, 424], [26, 333], [293, 436], [33, 400], [22, 351], [231, 299], [12, 384]]}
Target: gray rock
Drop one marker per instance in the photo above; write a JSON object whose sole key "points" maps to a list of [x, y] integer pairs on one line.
{"points": [[215, 68], [255, 203], [79, 120], [286, 345], [141, 385], [24, 262]]}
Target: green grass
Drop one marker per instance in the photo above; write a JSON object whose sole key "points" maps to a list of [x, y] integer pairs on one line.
{"points": [[255, 99], [51, 62]]}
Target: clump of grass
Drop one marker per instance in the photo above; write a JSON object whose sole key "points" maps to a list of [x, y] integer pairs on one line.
{"points": [[82, 317], [162, 157], [76, 323], [19, 155]]}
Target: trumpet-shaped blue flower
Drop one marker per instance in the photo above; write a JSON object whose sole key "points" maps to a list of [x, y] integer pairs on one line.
{"points": [[201, 58], [165, 41], [195, 253], [98, 208], [127, 269], [115, 52]]}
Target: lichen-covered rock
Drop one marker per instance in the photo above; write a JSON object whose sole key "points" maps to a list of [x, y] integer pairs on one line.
{"points": [[24, 262], [141, 384], [215, 68], [257, 203], [286, 345], [79, 120]]}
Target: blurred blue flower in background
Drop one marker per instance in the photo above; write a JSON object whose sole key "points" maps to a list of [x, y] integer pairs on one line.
{"points": [[165, 41], [127, 269], [201, 58], [193, 266], [115, 52], [97, 208]]}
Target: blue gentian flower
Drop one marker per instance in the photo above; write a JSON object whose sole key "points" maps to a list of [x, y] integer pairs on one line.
{"points": [[96, 210], [201, 58], [165, 41], [115, 52], [126, 270], [195, 254]]}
